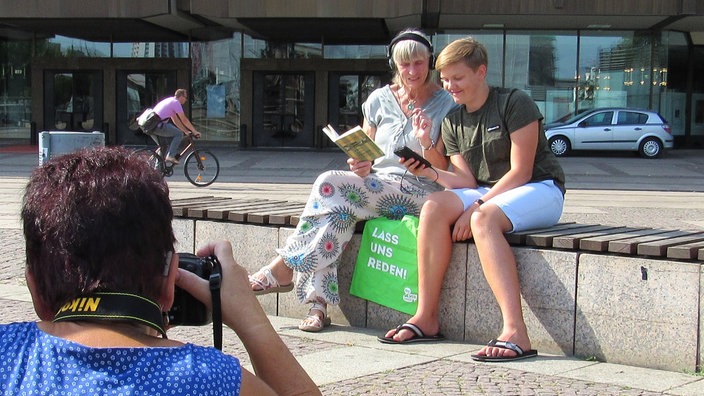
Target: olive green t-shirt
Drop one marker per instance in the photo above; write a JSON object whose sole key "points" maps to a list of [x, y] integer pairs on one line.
{"points": [[482, 137]]}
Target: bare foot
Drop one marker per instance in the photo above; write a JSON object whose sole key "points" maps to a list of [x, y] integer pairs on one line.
{"points": [[428, 327], [519, 338]]}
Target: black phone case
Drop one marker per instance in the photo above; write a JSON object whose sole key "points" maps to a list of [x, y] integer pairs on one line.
{"points": [[407, 153]]}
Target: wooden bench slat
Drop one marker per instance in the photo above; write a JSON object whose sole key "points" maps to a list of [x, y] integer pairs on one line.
{"points": [[659, 247], [686, 251], [600, 243], [221, 212], [519, 238], [630, 245], [545, 238], [182, 209], [571, 241], [264, 217], [240, 215], [283, 218], [215, 210], [186, 201], [295, 219]]}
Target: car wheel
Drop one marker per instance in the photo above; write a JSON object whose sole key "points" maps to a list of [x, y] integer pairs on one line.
{"points": [[559, 145], [650, 148]]}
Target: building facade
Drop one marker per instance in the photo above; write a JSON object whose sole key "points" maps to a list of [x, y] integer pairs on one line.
{"points": [[271, 73]]}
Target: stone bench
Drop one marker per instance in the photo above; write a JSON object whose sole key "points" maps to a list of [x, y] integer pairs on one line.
{"points": [[617, 294]]}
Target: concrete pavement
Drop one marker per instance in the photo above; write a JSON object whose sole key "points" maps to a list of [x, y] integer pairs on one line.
{"points": [[602, 189]]}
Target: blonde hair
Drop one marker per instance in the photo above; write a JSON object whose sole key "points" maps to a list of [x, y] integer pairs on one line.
{"points": [[467, 50], [409, 50]]}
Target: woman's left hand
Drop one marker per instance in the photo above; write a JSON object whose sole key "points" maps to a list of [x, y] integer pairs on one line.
{"points": [[462, 229], [360, 168]]}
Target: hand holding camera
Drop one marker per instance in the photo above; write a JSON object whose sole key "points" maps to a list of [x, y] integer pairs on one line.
{"points": [[241, 310], [186, 309]]}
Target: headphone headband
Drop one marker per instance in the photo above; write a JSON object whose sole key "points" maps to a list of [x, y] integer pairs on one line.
{"points": [[409, 36]]}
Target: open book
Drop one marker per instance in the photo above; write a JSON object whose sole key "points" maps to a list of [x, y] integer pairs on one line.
{"points": [[355, 143]]}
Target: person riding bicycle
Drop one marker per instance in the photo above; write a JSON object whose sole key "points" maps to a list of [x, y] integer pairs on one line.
{"points": [[172, 108]]}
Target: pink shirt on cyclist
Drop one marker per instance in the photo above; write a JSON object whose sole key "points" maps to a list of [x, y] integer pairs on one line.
{"points": [[168, 108]]}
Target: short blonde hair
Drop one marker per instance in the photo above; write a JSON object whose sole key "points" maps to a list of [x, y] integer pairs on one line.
{"points": [[467, 50], [181, 93]]}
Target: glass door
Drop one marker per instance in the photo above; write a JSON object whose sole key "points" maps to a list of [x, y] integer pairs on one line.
{"points": [[283, 109], [73, 101], [137, 90], [346, 94]]}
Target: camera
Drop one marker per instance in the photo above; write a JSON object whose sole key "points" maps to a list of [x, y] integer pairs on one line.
{"points": [[187, 311]]}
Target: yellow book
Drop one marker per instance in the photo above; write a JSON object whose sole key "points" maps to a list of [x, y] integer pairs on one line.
{"points": [[355, 143]]}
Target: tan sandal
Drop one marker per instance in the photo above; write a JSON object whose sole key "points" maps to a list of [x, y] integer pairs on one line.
{"points": [[312, 322], [266, 282]]}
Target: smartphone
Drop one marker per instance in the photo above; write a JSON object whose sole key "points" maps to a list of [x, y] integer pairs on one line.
{"points": [[407, 153]]}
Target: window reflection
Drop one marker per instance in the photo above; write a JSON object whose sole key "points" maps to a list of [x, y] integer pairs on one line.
{"points": [[262, 49], [76, 48], [15, 96], [284, 110], [77, 101], [353, 90], [355, 51], [615, 70], [151, 50], [544, 64], [215, 90], [494, 43]]}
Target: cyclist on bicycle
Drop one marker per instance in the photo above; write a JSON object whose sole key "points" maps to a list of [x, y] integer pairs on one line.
{"points": [[172, 108]]}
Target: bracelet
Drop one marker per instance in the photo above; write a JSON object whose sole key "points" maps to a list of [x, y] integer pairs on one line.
{"points": [[479, 202], [432, 144]]}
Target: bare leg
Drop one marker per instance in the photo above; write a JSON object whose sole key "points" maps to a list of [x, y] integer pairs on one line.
{"points": [[499, 265], [438, 214]]}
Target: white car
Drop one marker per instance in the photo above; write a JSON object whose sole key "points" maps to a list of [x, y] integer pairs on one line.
{"points": [[624, 129]]}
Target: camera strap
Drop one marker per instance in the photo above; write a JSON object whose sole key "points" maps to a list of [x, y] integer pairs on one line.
{"points": [[215, 281], [114, 307]]}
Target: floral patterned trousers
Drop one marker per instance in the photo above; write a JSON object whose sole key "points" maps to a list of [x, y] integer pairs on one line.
{"points": [[339, 200]]}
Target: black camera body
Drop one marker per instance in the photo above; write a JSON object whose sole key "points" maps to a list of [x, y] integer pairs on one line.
{"points": [[187, 311]]}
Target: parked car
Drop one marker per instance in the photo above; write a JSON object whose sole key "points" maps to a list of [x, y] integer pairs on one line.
{"points": [[625, 129]]}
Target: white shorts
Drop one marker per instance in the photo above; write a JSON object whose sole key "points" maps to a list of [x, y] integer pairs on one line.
{"points": [[533, 205]]}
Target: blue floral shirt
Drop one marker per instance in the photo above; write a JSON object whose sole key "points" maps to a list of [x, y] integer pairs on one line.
{"points": [[36, 363]]}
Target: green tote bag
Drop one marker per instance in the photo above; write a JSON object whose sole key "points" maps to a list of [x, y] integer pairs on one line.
{"points": [[386, 271]]}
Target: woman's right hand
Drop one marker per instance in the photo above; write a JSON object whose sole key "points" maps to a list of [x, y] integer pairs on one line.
{"points": [[238, 300], [275, 367], [360, 168], [422, 125]]}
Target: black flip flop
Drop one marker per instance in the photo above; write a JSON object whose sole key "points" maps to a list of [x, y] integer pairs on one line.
{"points": [[520, 354], [418, 335]]}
